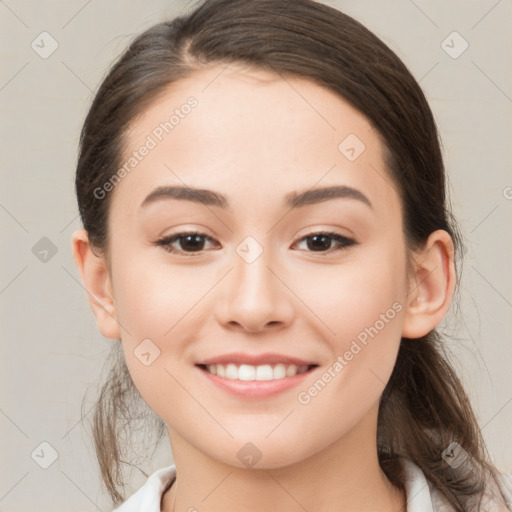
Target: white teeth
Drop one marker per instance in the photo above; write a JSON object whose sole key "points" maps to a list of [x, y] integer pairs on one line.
{"points": [[246, 372], [231, 371], [291, 370], [279, 371], [264, 372], [249, 372]]}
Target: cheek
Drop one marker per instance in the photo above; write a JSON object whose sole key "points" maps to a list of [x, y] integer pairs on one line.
{"points": [[349, 298], [152, 298], [364, 306], [364, 351], [158, 305]]}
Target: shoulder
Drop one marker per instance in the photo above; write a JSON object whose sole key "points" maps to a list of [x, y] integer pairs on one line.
{"points": [[422, 495], [498, 496], [148, 497]]}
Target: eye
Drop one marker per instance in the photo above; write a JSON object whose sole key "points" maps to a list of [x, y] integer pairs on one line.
{"points": [[196, 242], [323, 242], [191, 242]]}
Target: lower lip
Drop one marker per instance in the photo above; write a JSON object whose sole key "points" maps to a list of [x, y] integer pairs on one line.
{"points": [[256, 388]]}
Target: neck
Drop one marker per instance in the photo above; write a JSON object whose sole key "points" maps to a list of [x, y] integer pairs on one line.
{"points": [[344, 477]]}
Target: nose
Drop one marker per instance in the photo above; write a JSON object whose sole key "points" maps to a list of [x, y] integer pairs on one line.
{"points": [[254, 297]]}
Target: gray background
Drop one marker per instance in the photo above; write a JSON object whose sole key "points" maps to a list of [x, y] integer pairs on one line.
{"points": [[52, 353]]}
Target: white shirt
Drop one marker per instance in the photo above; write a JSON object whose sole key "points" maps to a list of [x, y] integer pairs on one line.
{"points": [[421, 496]]}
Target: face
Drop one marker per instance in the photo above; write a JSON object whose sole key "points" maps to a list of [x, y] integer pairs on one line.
{"points": [[258, 265]]}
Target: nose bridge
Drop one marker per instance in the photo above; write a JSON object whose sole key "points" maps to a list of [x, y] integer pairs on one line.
{"points": [[251, 273], [255, 297]]}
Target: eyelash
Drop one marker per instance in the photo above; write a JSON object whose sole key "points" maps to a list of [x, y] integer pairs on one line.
{"points": [[166, 243]]}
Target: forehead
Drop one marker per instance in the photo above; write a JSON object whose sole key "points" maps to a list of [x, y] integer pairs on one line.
{"points": [[251, 133]]}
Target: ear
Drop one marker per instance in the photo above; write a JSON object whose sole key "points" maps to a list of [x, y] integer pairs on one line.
{"points": [[96, 278], [431, 285]]}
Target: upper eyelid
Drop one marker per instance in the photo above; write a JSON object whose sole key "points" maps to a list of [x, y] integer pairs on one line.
{"points": [[167, 240], [176, 236], [200, 233], [182, 234], [335, 236]]}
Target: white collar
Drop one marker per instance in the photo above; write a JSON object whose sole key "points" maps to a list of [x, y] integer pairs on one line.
{"points": [[419, 494]]}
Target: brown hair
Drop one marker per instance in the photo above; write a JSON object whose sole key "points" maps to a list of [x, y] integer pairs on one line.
{"points": [[423, 407]]}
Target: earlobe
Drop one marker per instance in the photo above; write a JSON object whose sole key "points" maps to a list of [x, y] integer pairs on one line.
{"points": [[431, 286], [96, 279]]}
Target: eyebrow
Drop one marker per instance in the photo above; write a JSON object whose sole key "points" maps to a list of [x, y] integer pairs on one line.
{"points": [[197, 195], [292, 200], [318, 195]]}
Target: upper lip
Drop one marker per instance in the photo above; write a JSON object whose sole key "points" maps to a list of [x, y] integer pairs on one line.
{"points": [[255, 359]]}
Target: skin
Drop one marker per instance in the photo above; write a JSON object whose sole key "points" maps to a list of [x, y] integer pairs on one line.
{"points": [[256, 137]]}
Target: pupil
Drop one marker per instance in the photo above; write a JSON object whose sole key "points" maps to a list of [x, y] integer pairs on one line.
{"points": [[193, 242], [319, 242]]}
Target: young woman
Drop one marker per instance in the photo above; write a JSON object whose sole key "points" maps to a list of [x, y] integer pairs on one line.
{"points": [[267, 235]]}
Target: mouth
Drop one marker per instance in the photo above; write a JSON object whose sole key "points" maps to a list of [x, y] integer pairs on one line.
{"points": [[249, 373], [255, 376]]}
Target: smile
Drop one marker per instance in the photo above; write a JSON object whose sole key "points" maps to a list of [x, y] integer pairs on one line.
{"points": [[247, 372], [255, 376]]}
